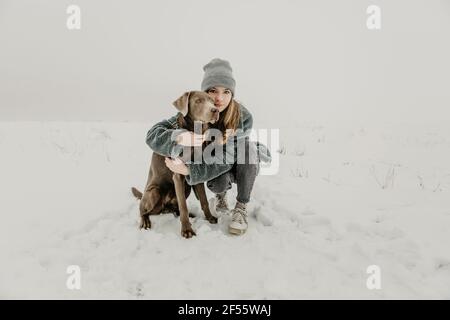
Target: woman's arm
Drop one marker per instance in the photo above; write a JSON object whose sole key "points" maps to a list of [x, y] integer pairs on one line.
{"points": [[246, 125], [160, 137], [202, 172]]}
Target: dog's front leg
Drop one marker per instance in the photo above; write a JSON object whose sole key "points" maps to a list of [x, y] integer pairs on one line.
{"points": [[145, 215], [200, 190], [186, 228]]}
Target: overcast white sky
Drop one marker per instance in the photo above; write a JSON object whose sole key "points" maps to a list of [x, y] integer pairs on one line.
{"points": [[292, 59]]}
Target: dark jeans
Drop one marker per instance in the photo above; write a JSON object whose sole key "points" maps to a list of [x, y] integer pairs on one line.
{"points": [[243, 173]]}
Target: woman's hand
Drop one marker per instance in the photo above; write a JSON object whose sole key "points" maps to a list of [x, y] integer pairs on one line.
{"points": [[177, 166], [190, 139]]}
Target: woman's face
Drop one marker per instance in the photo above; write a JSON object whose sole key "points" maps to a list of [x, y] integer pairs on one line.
{"points": [[222, 97]]}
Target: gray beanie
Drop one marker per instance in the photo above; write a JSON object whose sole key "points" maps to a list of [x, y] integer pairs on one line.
{"points": [[218, 73]]}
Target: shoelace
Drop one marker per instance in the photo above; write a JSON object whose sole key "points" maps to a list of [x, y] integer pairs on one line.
{"points": [[239, 215]]}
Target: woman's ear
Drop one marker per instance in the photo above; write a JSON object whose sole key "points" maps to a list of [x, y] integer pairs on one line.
{"points": [[182, 103]]}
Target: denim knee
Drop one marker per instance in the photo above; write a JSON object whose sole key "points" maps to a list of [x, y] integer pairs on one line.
{"points": [[220, 184], [247, 152]]}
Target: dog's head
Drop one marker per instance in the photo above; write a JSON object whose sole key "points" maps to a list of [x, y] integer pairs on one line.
{"points": [[198, 105]]}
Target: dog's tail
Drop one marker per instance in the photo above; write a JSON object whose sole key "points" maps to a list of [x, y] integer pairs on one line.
{"points": [[136, 193]]}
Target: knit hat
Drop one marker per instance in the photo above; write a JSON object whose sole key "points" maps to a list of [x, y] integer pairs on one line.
{"points": [[218, 73]]}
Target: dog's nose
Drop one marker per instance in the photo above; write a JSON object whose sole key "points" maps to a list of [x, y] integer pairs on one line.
{"points": [[214, 110]]}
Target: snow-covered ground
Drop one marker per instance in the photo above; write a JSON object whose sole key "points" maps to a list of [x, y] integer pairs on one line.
{"points": [[344, 198]]}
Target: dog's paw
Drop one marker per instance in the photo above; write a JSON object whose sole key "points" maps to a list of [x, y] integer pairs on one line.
{"points": [[187, 232], [211, 219], [145, 223]]}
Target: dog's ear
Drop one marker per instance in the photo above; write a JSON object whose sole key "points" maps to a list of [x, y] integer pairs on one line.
{"points": [[182, 103]]}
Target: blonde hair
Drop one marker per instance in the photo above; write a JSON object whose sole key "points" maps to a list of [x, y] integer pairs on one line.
{"points": [[229, 119]]}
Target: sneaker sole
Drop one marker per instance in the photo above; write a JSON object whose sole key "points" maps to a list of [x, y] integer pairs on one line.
{"points": [[236, 231]]}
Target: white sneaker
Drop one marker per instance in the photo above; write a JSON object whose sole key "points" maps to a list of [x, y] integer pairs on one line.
{"points": [[238, 223]]}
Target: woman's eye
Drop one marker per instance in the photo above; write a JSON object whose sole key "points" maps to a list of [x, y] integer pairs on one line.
{"points": [[198, 101]]}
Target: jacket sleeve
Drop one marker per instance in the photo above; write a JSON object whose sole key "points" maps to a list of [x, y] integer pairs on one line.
{"points": [[247, 124], [263, 152], [202, 172], [161, 138]]}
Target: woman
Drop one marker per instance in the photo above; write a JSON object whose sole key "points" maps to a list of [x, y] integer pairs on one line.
{"points": [[237, 121]]}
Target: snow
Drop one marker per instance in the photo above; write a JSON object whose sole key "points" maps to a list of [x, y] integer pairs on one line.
{"points": [[345, 198]]}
